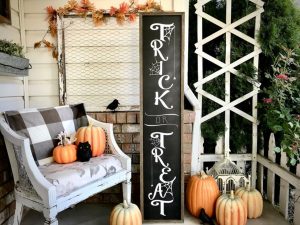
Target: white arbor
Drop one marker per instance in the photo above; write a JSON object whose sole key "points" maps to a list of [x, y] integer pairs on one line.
{"points": [[227, 68]]}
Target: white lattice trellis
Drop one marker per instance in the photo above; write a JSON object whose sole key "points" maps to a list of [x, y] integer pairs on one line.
{"points": [[227, 68]]}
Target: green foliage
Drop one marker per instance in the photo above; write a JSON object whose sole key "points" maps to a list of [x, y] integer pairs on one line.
{"points": [[282, 104], [280, 26], [11, 48], [280, 29], [241, 130]]}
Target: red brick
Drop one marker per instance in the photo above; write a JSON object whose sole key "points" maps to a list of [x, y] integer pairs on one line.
{"points": [[131, 117], [138, 118], [136, 138], [121, 117], [187, 158], [188, 128], [123, 138], [130, 128], [101, 117], [187, 167], [187, 138], [6, 188], [93, 115], [189, 116], [187, 148], [111, 118], [131, 148], [4, 215], [117, 128]]}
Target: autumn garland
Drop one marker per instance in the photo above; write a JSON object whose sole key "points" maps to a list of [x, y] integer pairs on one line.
{"points": [[84, 8]]}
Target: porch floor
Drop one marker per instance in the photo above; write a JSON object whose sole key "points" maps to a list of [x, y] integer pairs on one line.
{"points": [[98, 214]]}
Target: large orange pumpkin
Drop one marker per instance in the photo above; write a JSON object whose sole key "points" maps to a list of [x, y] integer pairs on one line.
{"points": [[125, 214], [252, 199], [65, 153], [231, 210], [202, 192], [95, 136]]}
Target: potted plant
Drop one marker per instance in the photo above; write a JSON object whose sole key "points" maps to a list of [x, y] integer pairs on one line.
{"points": [[12, 61]]}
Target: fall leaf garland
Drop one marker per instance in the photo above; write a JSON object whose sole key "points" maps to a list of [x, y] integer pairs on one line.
{"points": [[85, 7]]}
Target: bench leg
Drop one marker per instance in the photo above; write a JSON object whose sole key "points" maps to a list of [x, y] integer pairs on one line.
{"points": [[52, 221], [126, 186], [50, 216], [18, 213]]}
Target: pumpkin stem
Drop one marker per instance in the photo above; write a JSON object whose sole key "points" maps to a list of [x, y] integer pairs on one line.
{"points": [[203, 175], [231, 194], [126, 206], [248, 187]]}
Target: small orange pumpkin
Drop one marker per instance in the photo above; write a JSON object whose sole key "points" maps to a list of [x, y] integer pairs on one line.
{"points": [[252, 199], [202, 192], [231, 210], [95, 136], [125, 214], [65, 153]]}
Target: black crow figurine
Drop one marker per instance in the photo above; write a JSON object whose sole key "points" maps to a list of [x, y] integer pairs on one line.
{"points": [[205, 218], [113, 105]]}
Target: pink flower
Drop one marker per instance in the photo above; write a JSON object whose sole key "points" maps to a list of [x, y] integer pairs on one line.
{"points": [[267, 100], [282, 77]]}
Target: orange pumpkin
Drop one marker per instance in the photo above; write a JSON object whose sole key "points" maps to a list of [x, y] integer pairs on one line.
{"points": [[252, 199], [95, 136], [231, 210], [125, 214], [65, 153], [202, 192]]}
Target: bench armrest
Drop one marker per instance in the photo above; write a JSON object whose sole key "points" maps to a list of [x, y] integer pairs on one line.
{"points": [[115, 149], [44, 188]]}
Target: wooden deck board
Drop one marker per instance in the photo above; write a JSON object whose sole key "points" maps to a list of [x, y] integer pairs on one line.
{"points": [[92, 214]]}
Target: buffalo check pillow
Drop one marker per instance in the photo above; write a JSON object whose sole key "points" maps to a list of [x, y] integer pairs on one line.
{"points": [[42, 126]]}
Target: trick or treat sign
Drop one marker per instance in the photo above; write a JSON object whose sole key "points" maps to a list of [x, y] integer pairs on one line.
{"points": [[161, 45]]}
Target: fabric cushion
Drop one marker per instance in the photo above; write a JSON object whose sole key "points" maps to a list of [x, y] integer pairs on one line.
{"points": [[42, 126], [69, 177]]}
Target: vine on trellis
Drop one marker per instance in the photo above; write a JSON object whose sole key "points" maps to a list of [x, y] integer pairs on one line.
{"points": [[85, 8]]}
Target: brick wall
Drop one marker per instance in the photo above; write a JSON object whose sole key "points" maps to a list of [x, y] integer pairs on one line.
{"points": [[127, 134], [126, 129], [7, 200]]}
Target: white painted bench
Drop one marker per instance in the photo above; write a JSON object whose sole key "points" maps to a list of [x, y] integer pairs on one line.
{"points": [[40, 194]]}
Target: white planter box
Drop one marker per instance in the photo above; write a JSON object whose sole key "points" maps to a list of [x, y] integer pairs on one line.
{"points": [[13, 65]]}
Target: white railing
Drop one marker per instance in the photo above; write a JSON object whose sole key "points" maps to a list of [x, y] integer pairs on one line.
{"points": [[289, 190]]}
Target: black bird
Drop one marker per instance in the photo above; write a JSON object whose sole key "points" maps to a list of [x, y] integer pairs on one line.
{"points": [[113, 105], [205, 218]]}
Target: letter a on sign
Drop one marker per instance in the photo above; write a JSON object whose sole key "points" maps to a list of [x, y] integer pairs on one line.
{"points": [[161, 116]]}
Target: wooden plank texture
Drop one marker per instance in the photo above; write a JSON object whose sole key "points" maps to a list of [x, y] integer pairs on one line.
{"points": [[284, 189], [271, 174], [297, 203], [290, 177], [10, 33], [43, 71], [11, 103], [43, 101], [11, 87], [43, 88]]}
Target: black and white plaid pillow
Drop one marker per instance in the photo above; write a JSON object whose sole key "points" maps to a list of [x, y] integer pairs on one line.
{"points": [[42, 126]]}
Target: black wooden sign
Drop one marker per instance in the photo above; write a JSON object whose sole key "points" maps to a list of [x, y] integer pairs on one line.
{"points": [[161, 45]]}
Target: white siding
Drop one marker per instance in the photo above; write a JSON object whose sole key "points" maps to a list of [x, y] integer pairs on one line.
{"points": [[43, 77], [11, 88]]}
